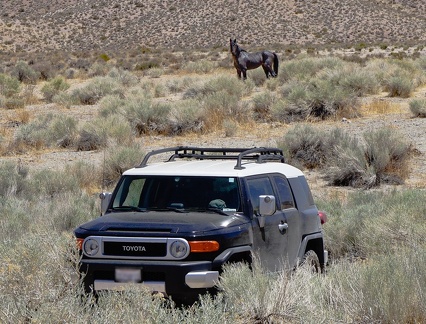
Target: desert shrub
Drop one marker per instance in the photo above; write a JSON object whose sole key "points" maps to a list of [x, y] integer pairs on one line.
{"points": [[400, 86], [47, 130], [62, 131], [262, 104], [418, 107], [305, 145], [110, 105], [353, 78], [119, 159], [64, 99], [146, 116], [328, 100], [380, 158], [98, 69], [51, 183], [87, 175], [24, 73], [14, 102], [12, 178], [16, 218], [9, 86], [199, 66], [155, 72], [54, 87], [228, 86], [373, 223], [124, 77], [97, 88], [288, 112], [186, 116], [90, 138], [387, 153], [306, 68], [220, 106], [114, 127], [257, 76]]}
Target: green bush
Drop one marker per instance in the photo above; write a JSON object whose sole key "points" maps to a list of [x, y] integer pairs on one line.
{"points": [[53, 88], [418, 107], [9, 86]]}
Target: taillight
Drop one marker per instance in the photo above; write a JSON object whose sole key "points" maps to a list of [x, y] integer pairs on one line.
{"points": [[323, 217], [203, 246], [79, 243]]}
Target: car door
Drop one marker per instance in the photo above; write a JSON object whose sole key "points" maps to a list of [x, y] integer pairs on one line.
{"points": [[287, 207], [269, 242]]}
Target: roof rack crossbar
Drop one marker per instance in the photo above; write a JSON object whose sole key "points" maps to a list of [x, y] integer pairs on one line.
{"points": [[260, 154]]}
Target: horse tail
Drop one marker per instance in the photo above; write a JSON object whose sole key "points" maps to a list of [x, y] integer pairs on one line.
{"points": [[276, 63]]}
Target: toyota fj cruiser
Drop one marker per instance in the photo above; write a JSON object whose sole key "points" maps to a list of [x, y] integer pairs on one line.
{"points": [[171, 226]]}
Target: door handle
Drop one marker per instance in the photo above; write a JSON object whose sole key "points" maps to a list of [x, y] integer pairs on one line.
{"points": [[283, 227]]}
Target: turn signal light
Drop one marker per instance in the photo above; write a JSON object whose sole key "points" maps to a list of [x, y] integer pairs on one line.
{"points": [[203, 246], [80, 243]]}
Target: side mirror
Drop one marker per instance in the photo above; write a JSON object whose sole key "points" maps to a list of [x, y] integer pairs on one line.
{"points": [[105, 199], [267, 207]]}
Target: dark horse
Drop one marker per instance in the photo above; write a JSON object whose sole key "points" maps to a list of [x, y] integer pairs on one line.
{"points": [[244, 61]]}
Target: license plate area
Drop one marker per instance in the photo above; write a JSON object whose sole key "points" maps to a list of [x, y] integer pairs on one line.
{"points": [[128, 275]]}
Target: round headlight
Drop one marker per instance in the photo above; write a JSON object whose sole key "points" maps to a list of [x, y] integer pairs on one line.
{"points": [[178, 249], [91, 247]]}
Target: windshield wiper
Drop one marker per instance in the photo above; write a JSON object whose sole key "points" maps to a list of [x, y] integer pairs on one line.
{"points": [[128, 208]]}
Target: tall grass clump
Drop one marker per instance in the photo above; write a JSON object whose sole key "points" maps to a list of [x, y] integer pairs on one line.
{"points": [[418, 107], [54, 87]]}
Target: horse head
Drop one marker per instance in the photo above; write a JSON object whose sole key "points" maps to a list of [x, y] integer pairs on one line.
{"points": [[235, 49]]}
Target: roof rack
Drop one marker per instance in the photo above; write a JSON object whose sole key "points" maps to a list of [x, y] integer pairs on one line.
{"points": [[259, 154]]}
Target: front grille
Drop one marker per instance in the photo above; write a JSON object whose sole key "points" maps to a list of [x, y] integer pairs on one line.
{"points": [[135, 249]]}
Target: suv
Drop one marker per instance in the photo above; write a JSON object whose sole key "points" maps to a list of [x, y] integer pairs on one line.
{"points": [[171, 226]]}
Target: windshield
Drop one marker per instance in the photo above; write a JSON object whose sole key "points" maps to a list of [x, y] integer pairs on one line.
{"points": [[181, 194]]}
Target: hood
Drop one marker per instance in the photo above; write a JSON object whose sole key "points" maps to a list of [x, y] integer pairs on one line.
{"points": [[162, 222]]}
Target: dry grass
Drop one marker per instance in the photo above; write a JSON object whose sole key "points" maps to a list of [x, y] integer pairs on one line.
{"points": [[382, 106]]}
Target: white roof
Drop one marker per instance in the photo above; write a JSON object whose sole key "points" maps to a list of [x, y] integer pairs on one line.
{"points": [[214, 168]]}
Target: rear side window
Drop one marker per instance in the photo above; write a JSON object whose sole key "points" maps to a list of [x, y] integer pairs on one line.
{"points": [[284, 192], [257, 187]]}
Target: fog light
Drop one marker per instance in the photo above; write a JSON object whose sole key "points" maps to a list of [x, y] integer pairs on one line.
{"points": [[91, 247]]}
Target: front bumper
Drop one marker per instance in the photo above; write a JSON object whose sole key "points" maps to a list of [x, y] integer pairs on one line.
{"points": [[167, 277]]}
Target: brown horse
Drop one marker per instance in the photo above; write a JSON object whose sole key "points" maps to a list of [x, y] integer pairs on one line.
{"points": [[244, 61]]}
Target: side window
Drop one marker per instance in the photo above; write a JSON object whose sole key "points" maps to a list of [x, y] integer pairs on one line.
{"points": [[257, 187], [284, 192]]}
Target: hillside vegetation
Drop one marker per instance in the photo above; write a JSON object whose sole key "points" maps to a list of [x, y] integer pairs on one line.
{"points": [[76, 26]]}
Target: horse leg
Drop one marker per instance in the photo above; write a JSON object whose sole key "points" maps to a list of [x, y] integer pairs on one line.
{"points": [[244, 74], [239, 74], [267, 70]]}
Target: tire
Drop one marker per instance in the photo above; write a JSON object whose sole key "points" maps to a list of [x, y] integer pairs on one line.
{"points": [[311, 262]]}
